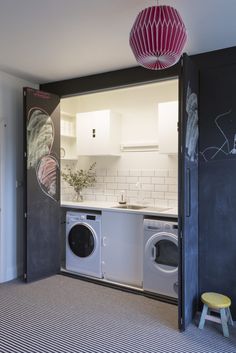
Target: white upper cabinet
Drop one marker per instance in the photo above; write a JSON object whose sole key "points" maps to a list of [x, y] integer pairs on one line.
{"points": [[98, 133], [167, 127]]}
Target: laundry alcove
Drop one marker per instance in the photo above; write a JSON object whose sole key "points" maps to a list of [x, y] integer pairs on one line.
{"points": [[42, 207]]}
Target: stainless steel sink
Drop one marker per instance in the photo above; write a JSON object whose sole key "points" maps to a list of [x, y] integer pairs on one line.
{"points": [[130, 207]]}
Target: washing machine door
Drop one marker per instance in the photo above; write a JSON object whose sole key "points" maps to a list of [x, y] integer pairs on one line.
{"points": [[82, 240], [162, 252]]}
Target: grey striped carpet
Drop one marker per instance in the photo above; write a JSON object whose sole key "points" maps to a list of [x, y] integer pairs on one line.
{"points": [[65, 315]]}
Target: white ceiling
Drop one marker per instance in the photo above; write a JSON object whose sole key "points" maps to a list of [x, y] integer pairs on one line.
{"points": [[49, 40]]}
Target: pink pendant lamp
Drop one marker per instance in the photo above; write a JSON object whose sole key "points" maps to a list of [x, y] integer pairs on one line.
{"points": [[157, 37]]}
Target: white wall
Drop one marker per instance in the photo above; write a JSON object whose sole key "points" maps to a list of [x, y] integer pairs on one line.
{"points": [[11, 215]]}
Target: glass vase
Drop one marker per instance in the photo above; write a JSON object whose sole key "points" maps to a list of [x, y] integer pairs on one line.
{"points": [[78, 196]]}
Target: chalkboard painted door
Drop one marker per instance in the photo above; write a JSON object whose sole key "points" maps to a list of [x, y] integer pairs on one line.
{"points": [[188, 193], [42, 184]]}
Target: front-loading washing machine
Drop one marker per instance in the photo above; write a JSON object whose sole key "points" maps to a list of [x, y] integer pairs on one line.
{"points": [[83, 243], [160, 257]]}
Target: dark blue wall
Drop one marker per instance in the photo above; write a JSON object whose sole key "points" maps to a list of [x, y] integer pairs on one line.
{"points": [[217, 174]]}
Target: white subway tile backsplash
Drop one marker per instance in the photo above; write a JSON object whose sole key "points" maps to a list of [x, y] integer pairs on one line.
{"points": [[171, 196], [161, 172], [158, 181], [110, 192], [148, 187], [111, 186], [112, 198], [101, 172], [89, 197], [99, 186], [120, 179], [133, 179], [158, 195], [161, 203], [148, 172], [123, 172], [173, 188], [153, 187], [173, 173], [122, 186], [145, 180], [99, 179], [171, 181], [109, 179], [133, 187], [132, 193], [163, 187], [101, 198], [135, 172], [172, 203], [111, 172], [145, 194], [148, 202]]}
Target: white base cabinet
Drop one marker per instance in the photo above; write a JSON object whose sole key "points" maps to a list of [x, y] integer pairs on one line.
{"points": [[122, 240]]}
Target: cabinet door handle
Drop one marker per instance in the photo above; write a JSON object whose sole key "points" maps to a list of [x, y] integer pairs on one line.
{"points": [[104, 241]]}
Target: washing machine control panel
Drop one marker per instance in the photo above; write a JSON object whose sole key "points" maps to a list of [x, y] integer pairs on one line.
{"points": [[160, 225], [72, 217]]}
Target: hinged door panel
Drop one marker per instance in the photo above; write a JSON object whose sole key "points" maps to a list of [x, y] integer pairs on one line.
{"points": [[188, 193], [42, 184]]}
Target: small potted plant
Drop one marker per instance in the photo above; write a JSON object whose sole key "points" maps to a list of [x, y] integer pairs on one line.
{"points": [[80, 179]]}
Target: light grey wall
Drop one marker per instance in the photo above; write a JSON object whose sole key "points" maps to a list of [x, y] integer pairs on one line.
{"points": [[11, 196]]}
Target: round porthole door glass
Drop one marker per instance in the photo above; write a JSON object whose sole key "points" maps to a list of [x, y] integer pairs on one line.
{"points": [[81, 240], [166, 254]]}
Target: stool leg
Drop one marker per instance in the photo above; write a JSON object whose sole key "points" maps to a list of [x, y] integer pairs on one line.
{"points": [[224, 320], [203, 317], [229, 317]]}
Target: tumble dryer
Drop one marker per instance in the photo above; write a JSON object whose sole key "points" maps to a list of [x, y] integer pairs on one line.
{"points": [[83, 243], [160, 257]]}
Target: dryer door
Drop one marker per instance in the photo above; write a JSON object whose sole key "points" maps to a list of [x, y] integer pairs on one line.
{"points": [[162, 252], [82, 240]]}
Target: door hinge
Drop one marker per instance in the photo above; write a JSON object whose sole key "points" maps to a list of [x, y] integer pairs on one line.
{"points": [[181, 321], [25, 154], [25, 215], [25, 276]]}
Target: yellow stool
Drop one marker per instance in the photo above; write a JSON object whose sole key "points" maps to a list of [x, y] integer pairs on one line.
{"points": [[218, 303]]}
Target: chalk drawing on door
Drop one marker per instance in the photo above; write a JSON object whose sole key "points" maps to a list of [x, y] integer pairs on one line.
{"points": [[226, 126], [40, 139], [192, 132], [47, 174], [40, 136]]}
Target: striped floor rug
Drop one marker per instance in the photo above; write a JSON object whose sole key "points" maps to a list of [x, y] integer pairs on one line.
{"points": [[66, 315]]}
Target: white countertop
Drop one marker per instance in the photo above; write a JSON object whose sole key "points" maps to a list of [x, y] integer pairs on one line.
{"points": [[109, 206]]}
